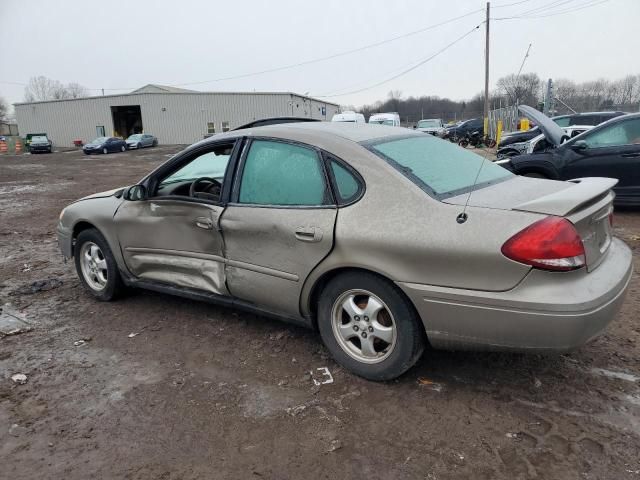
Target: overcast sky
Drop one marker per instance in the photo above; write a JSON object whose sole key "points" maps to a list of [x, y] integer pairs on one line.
{"points": [[127, 44]]}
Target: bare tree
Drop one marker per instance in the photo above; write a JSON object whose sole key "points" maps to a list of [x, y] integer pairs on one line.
{"points": [[4, 109], [42, 88], [523, 89], [75, 90]]}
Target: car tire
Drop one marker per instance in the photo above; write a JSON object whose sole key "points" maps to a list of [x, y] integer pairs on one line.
{"points": [[139, 146], [155, 143], [394, 336], [86, 153], [96, 266], [105, 151], [122, 148]]}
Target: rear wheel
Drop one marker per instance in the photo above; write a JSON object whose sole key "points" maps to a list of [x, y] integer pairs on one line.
{"points": [[105, 151], [155, 143], [96, 266], [369, 326], [122, 148], [463, 143]]}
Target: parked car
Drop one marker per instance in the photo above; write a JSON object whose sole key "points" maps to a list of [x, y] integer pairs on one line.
{"points": [[467, 127], [433, 126], [347, 229], [391, 119], [349, 117], [105, 145], [40, 143], [612, 149], [141, 140], [29, 136], [592, 118], [539, 143]]}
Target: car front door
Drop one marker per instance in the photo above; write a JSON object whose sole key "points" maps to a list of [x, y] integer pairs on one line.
{"points": [[173, 237], [279, 224], [612, 151]]}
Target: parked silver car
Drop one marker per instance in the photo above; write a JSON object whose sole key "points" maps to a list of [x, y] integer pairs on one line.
{"points": [[141, 140], [382, 238]]}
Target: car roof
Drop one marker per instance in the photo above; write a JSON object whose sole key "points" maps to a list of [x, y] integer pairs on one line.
{"points": [[355, 132]]}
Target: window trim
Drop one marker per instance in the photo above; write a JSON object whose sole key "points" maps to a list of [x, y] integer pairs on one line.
{"points": [[237, 180], [330, 157]]}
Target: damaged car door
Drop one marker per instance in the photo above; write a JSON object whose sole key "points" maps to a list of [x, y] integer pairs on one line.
{"points": [[172, 234], [278, 225]]}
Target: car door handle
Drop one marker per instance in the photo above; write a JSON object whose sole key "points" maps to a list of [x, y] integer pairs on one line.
{"points": [[631, 155], [308, 234], [204, 222]]}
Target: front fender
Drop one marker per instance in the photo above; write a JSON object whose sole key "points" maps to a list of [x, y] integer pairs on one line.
{"points": [[541, 163]]}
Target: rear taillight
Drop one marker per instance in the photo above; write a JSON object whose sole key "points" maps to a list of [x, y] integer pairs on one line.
{"points": [[551, 244]]}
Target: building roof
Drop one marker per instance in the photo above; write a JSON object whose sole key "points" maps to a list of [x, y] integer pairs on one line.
{"points": [[152, 89], [155, 88]]}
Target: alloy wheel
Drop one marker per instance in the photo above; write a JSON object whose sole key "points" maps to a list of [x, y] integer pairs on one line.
{"points": [[94, 266], [363, 326]]}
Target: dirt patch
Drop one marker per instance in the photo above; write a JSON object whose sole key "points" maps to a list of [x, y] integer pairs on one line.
{"points": [[206, 392]]}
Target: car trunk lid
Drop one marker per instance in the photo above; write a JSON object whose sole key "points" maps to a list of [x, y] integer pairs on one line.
{"points": [[585, 202]]}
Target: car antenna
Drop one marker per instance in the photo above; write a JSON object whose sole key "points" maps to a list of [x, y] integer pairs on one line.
{"points": [[462, 217]]}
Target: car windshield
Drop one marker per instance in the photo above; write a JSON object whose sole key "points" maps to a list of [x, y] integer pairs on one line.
{"points": [[38, 139], [382, 122], [99, 140], [136, 136], [428, 123], [440, 167]]}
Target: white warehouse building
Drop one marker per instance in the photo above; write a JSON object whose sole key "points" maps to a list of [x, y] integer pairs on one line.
{"points": [[173, 115]]}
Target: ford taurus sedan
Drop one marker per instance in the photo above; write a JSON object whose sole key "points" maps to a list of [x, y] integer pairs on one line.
{"points": [[383, 239]]}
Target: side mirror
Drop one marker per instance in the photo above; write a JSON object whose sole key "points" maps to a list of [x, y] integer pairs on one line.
{"points": [[579, 145], [135, 193]]}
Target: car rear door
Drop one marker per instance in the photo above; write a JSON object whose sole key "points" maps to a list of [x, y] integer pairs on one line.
{"points": [[612, 151], [279, 224]]}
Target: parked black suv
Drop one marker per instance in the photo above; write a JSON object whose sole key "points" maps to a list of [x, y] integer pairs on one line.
{"points": [[469, 126], [590, 118]]}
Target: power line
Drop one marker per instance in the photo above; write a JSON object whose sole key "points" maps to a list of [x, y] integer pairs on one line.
{"points": [[336, 55], [572, 10], [315, 60], [540, 12], [407, 70]]}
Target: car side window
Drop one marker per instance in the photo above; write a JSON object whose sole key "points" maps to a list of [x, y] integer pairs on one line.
{"points": [[210, 164], [621, 133], [347, 186], [277, 173]]}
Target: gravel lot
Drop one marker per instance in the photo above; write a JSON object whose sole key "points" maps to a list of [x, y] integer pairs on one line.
{"points": [[205, 392]]}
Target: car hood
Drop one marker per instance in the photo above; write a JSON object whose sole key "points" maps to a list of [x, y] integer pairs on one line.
{"points": [[108, 193], [549, 197], [551, 130]]}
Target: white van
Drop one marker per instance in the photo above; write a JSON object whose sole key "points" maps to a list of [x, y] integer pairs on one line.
{"points": [[392, 119], [348, 116]]}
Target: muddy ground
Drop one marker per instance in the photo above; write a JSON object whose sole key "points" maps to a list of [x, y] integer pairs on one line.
{"points": [[204, 392]]}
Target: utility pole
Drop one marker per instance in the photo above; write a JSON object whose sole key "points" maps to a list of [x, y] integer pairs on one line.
{"points": [[486, 75], [103, 92]]}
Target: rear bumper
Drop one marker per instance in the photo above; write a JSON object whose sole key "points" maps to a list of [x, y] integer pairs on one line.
{"points": [[547, 311]]}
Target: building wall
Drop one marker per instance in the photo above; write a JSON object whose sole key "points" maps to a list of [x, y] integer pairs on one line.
{"points": [[172, 117]]}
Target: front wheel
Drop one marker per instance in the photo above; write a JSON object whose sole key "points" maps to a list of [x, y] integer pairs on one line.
{"points": [[464, 143], [369, 326], [96, 266], [105, 151]]}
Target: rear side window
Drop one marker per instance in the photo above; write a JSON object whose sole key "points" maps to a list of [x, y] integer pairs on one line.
{"points": [[440, 167], [277, 173], [347, 186]]}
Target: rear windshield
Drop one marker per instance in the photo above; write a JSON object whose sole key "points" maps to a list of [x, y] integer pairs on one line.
{"points": [[440, 167]]}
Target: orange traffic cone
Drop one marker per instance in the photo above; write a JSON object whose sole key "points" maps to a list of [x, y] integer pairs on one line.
{"points": [[3, 147], [18, 147]]}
